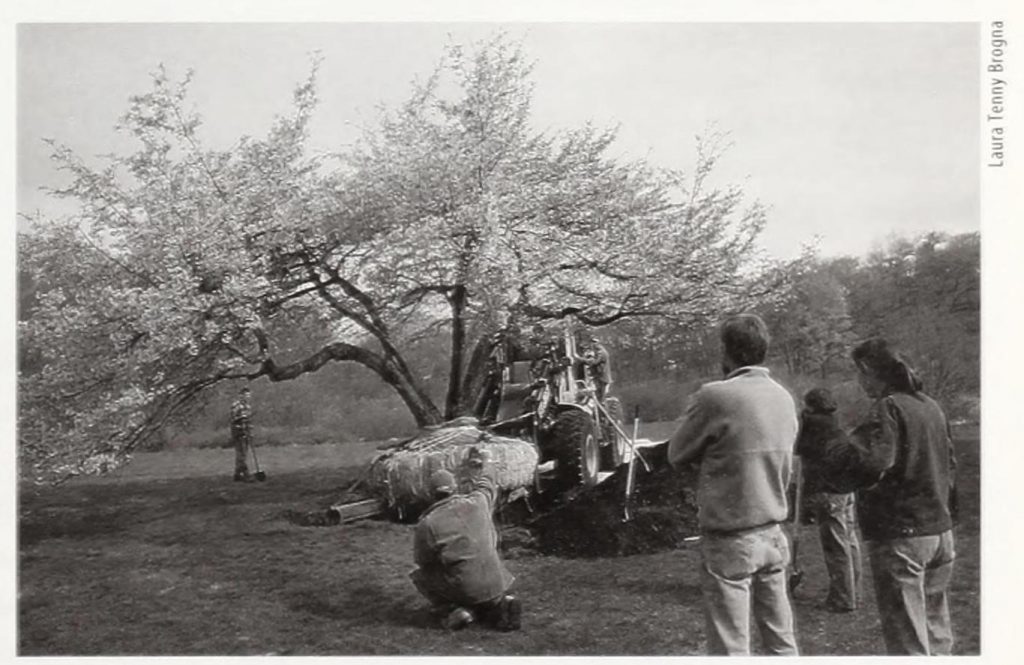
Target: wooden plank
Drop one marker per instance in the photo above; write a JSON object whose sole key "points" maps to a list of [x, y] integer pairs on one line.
{"points": [[355, 510]]}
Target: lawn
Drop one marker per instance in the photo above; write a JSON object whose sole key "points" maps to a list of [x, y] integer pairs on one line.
{"points": [[170, 557]]}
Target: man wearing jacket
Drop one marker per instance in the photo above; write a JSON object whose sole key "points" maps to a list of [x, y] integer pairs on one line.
{"points": [[600, 367], [455, 548], [742, 431]]}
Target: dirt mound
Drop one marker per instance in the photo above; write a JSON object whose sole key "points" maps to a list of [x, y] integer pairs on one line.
{"points": [[590, 524]]}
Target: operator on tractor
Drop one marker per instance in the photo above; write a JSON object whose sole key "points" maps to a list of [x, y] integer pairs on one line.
{"points": [[573, 330], [597, 359], [536, 349], [486, 407]]}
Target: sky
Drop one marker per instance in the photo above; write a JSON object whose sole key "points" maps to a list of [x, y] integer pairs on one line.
{"points": [[849, 132]]}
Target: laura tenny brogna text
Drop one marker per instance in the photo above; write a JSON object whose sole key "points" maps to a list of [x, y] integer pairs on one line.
{"points": [[997, 96]]}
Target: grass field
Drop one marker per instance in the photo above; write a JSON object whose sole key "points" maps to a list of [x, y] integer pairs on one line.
{"points": [[170, 557]]}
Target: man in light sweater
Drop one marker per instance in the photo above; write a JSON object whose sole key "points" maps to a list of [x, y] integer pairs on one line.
{"points": [[742, 431]]}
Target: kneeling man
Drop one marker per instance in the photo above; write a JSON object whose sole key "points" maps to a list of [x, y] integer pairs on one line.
{"points": [[456, 550]]}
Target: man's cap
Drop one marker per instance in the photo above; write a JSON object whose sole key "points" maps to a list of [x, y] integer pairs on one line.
{"points": [[442, 482]]}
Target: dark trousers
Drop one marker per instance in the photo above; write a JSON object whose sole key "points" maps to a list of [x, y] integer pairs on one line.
{"points": [[442, 601], [241, 439], [487, 403]]}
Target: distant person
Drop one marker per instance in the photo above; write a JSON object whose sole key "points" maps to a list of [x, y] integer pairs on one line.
{"points": [[455, 549], [742, 430], [599, 362], [241, 433], [541, 351], [900, 461], [834, 513], [489, 398]]}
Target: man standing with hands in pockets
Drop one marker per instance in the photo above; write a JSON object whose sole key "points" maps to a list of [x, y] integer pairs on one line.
{"points": [[742, 431]]}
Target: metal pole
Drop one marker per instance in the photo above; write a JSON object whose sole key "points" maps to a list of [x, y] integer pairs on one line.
{"points": [[632, 442], [796, 575], [632, 458]]}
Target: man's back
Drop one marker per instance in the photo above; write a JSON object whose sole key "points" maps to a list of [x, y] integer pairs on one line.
{"points": [[456, 542], [746, 427]]}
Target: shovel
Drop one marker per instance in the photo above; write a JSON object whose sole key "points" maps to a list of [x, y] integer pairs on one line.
{"points": [[632, 458], [796, 575]]}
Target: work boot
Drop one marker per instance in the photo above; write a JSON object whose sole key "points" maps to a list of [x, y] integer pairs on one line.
{"points": [[509, 614], [457, 619]]}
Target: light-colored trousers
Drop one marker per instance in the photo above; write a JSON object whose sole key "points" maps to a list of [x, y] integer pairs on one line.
{"points": [[837, 527], [912, 577], [744, 578]]}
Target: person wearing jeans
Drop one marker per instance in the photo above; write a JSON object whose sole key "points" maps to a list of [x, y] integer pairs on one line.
{"points": [[912, 576], [741, 431], [834, 513], [837, 530], [900, 460], [744, 577]]}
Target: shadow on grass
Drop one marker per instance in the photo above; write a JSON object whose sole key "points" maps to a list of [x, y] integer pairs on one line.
{"points": [[674, 591], [363, 605], [75, 526]]}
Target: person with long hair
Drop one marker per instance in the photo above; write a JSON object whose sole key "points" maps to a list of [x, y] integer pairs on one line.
{"points": [[900, 462]]}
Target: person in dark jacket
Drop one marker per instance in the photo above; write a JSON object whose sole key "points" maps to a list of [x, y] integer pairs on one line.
{"points": [[900, 461], [455, 548], [833, 512]]}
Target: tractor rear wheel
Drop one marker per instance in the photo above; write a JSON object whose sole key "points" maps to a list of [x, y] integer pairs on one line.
{"points": [[613, 454], [574, 440]]}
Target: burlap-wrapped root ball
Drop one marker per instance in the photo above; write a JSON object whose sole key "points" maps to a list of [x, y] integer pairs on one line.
{"points": [[401, 475]]}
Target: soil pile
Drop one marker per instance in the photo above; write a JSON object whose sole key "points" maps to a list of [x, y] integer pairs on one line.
{"points": [[663, 513]]}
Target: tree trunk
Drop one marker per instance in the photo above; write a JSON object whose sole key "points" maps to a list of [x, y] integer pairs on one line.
{"points": [[422, 409], [473, 377], [457, 301]]}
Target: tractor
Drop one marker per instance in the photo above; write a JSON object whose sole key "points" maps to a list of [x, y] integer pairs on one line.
{"points": [[543, 395], [550, 400]]}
